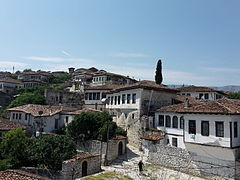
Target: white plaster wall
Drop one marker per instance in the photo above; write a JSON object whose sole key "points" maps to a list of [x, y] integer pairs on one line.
{"points": [[235, 140], [95, 101], [126, 106], [212, 95]]}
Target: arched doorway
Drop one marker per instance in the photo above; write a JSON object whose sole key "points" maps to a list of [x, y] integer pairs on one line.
{"points": [[120, 148], [84, 168]]}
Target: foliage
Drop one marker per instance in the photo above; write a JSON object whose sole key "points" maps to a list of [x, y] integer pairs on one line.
{"points": [[50, 151], [93, 126], [46, 151], [158, 75], [56, 79], [120, 131], [108, 176], [13, 148], [28, 98], [27, 70], [234, 95], [38, 89]]}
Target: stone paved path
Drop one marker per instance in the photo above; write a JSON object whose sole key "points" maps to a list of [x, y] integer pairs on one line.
{"points": [[128, 165]]}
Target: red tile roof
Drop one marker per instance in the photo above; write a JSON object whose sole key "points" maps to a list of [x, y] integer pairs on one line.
{"points": [[150, 85], [221, 106], [6, 125], [85, 110], [103, 87], [198, 89], [46, 110], [19, 175], [10, 80], [119, 137]]}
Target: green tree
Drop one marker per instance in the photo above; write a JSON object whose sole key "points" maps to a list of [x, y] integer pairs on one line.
{"points": [[13, 148], [234, 95], [50, 151], [28, 98], [158, 75], [56, 79], [27, 70]]}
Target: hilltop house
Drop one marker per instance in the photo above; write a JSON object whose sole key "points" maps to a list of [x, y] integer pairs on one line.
{"points": [[132, 105], [30, 83], [39, 75], [5, 99], [203, 126], [200, 92], [7, 125], [10, 86], [4, 74]]}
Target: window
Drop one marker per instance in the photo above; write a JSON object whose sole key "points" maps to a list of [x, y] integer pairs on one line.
{"points": [[123, 98], [181, 122], [175, 122], [192, 126], [219, 129], [104, 95], [25, 116], [86, 96], [206, 96], [115, 100], [13, 115], [174, 142], [183, 94], [133, 116], [200, 95], [205, 128], [188, 94], [168, 121], [133, 98], [119, 99], [67, 119], [128, 98], [111, 100], [161, 120], [16, 115], [235, 129], [98, 96], [90, 96], [94, 96]]}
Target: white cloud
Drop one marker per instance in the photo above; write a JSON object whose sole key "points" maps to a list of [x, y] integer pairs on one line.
{"points": [[129, 55], [57, 59], [8, 65], [65, 53], [222, 69]]}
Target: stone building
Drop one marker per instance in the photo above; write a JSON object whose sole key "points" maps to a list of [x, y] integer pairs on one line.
{"points": [[38, 75], [7, 125], [81, 165], [64, 98], [133, 106], [5, 99], [10, 86]]}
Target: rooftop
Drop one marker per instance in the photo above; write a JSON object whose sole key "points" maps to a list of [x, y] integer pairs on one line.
{"points": [[19, 175], [6, 125], [84, 110], [198, 89], [10, 80], [152, 137], [149, 85], [82, 156], [41, 110], [103, 87], [221, 106]]}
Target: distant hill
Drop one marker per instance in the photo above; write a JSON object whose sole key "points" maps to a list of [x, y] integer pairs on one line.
{"points": [[230, 88]]}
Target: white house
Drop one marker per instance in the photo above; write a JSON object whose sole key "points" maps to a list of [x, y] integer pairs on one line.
{"points": [[39, 75], [133, 104], [10, 86], [200, 92], [205, 128]]}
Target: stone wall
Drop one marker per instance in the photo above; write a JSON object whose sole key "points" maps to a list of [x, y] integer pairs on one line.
{"points": [[5, 99], [187, 162], [98, 147], [64, 98], [73, 169]]}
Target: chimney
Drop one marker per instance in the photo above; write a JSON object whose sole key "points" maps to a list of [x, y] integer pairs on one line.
{"points": [[186, 103]]}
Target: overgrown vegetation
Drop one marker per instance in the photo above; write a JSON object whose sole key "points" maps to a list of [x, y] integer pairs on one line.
{"points": [[93, 126], [56, 79], [46, 151], [158, 75], [108, 176], [234, 95]]}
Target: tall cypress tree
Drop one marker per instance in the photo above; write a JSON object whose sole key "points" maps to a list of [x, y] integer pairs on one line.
{"points": [[158, 75]]}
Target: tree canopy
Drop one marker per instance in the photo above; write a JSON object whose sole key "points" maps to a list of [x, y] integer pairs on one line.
{"points": [[234, 95], [158, 75]]}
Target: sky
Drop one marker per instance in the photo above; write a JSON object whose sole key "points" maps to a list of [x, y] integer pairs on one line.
{"points": [[197, 41]]}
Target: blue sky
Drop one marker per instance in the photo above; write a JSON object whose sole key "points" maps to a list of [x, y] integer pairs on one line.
{"points": [[198, 41]]}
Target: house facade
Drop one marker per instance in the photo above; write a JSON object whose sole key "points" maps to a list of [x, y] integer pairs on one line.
{"points": [[133, 106], [200, 92], [207, 129], [10, 86], [30, 83], [39, 75]]}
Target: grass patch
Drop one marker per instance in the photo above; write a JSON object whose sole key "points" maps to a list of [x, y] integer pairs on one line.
{"points": [[111, 175]]}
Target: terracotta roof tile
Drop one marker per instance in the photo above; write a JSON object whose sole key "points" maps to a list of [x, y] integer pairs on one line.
{"points": [[119, 137], [198, 89], [102, 87], [19, 175], [151, 85], [82, 156], [221, 106], [46, 110], [85, 110], [10, 80], [6, 125]]}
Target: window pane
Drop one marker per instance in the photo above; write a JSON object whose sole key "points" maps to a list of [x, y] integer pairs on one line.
{"points": [[219, 129], [181, 122], [161, 120], [174, 142], [128, 98], [168, 121], [123, 98], [175, 122], [119, 99], [133, 98], [192, 126], [235, 129], [205, 128]]}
